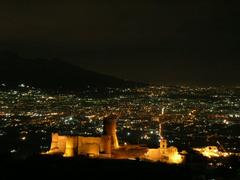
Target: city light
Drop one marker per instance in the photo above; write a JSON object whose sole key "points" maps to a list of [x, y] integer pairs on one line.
{"points": [[185, 122]]}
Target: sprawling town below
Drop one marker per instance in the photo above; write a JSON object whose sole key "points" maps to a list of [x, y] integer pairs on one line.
{"points": [[190, 117]]}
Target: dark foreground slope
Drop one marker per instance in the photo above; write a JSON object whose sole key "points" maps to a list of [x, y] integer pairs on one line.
{"points": [[54, 167], [82, 168], [53, 74]]}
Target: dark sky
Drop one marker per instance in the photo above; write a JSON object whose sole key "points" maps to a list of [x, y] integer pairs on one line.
{"points": [[195, 42]]}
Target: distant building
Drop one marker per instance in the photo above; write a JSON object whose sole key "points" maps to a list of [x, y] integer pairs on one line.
{"points": [[211, 152]]}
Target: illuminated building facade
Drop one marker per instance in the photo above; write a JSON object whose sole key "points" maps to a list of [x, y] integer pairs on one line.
{"points": [[211, 152], [164, 154], [107, 146], [71, 146]]}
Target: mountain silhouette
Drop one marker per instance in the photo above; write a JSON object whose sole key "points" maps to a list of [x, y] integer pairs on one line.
{"points": [[53, 74]]}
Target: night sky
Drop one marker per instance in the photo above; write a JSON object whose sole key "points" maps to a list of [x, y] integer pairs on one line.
{"points": [[195, 42]]}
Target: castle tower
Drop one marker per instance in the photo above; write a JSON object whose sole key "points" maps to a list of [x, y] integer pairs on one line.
{"points": [[106, 142], [71, 146], [163, 144], [109, 129], [54, 143]]}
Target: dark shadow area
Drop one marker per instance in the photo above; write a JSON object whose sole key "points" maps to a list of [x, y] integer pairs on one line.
{"points": [[56, 167]]}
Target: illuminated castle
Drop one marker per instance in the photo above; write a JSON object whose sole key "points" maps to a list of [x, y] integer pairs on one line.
{"points": [[107, 146], [102, 146]]}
